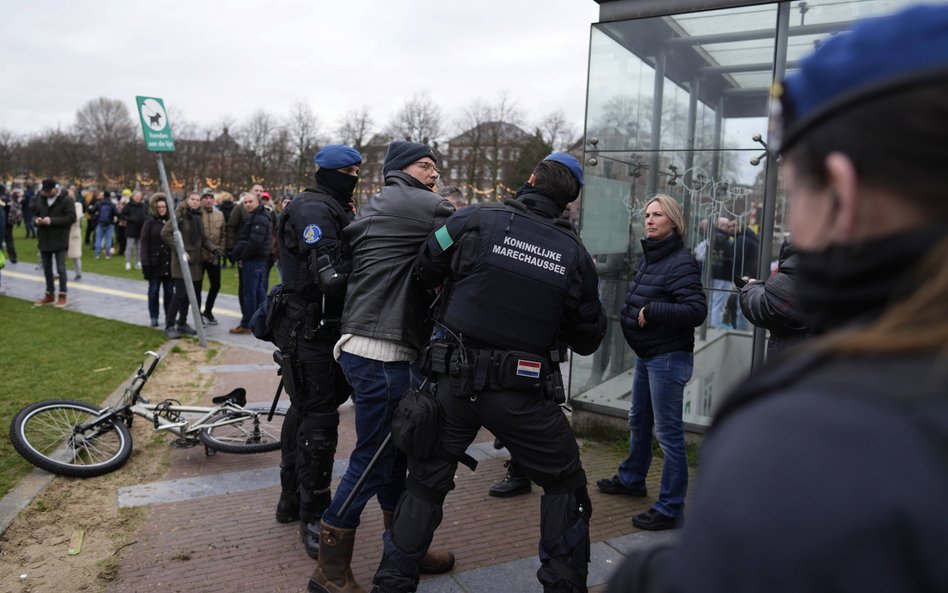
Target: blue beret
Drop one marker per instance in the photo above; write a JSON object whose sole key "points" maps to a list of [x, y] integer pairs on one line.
{"points": [[337, 156], [876, 57], [400, 154], [570, 163]]}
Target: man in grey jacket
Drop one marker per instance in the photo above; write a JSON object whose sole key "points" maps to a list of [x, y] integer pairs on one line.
{"points": [[383, 331]]}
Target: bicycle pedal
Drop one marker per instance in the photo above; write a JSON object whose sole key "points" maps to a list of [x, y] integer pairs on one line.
{"points": [[184, 443]]}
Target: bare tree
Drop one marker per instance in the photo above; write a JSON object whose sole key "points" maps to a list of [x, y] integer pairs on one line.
{"points": [[356, 128], [468, 154], [255, 138], [556, 131], [419, 120], [9, 148], [303, 130], [105, 124]]}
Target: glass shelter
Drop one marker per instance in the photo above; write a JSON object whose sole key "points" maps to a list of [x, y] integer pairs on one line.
{"points": [[678, 100]]}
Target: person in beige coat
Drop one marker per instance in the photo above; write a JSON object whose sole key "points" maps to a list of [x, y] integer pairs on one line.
{"points": [[213, 222], [74, 251]]}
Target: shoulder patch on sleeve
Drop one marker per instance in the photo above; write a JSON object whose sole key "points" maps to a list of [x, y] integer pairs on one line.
{"points": [[312, 233], [444, 238]]}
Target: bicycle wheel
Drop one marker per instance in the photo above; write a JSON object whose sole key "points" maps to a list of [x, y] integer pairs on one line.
{"points": [[244, 432], [61, 437]]}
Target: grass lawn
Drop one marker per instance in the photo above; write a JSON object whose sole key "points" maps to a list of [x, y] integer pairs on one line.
{"points": [[26, 252], [57, 354]]}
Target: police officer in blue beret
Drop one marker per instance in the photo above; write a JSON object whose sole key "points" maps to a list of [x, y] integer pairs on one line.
{"points": [[518, 289], [314, 263]]}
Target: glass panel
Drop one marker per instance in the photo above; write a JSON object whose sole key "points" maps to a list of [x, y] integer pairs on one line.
{"points": [[612, 223], [730, 78]]}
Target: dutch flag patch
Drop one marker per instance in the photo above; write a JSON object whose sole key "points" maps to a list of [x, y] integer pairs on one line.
{"points": [[528, 368]]}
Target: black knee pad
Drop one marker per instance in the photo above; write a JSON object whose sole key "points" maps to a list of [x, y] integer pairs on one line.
{"points": [[564, 540], [319, 434]]}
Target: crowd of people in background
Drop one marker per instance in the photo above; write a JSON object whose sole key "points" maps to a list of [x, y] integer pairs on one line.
{"points": [[130, 223]]}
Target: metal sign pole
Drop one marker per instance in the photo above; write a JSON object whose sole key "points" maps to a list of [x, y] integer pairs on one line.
{"points": [[182, 256]]}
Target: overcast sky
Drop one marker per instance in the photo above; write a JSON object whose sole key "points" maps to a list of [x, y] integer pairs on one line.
{"points": [[208, 59]]}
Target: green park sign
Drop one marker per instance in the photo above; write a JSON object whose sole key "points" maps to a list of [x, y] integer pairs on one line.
{"points": [[155, 124]]}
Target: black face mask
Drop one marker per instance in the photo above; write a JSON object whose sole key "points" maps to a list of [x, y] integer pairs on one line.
{"points": [[846, 284], [339, 185]]}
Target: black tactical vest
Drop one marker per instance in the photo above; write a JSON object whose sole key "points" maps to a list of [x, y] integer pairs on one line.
{"points": [[308, 208], [514, 297]]}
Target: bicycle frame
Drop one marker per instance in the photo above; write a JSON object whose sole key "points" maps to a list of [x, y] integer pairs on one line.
{"points": [[133, 402]]}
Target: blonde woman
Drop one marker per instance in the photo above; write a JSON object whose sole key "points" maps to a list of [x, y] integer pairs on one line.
{"points": [[665, 303]]}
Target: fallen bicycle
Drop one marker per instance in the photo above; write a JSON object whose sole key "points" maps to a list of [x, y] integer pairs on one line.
{"points": [[78, 439]]}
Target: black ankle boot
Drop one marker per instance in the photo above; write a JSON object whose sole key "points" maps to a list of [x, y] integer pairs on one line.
{"points": [[288, 508], [514, 483], [309, 533]]}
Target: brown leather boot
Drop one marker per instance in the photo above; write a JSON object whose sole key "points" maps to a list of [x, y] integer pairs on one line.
{"points": [[434, 562], [333, 573], [48, 299], [61, 301]]}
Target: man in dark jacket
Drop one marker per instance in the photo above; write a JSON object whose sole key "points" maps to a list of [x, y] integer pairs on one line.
{"points": [[519, 289], [772, 303], [722, 271], [11, 210], [134, 214], [103, 215], [29, 212], [252, 250], [55, 214], [315, 263], [383, 331], [746, 258]]}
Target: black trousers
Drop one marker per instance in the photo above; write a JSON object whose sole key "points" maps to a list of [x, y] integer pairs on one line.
{"points": [[538, 436], [9, 244], [319, 388], [213, 273], [178, 313]]}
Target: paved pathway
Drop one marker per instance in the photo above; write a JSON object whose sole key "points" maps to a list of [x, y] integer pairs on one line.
{"points": [[209, 525]]}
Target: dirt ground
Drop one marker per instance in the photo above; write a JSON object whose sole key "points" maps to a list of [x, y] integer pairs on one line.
{"points": [[34, 549]]}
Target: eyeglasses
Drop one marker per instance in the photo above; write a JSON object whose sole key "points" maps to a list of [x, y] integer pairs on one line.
{"points": [[427, 167]]}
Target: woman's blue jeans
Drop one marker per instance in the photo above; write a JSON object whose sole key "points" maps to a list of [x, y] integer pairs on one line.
{"points": [[164, 287], [658, 386], [378, 387]]}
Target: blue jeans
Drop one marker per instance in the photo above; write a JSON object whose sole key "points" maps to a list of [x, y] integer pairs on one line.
{"points": [[378, 387], [253, 290], [103, 232], [719, 298], [165, 286], [658, 387]]}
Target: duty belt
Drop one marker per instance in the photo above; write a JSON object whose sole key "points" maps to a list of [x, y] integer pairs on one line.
{"points": [[482, 369]]}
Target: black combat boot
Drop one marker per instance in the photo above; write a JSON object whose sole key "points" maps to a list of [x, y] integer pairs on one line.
{"points": [[514, 483], [288, 507], [309, 533]]}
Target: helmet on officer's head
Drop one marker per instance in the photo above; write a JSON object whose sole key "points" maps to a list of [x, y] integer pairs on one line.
{"points": [[559, 176]]}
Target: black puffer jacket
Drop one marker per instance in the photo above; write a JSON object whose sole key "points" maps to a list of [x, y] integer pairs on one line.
{"points": [[668, 284], [155, 254], [772, 304], [134, 214], [254, 237], [383, 300]]}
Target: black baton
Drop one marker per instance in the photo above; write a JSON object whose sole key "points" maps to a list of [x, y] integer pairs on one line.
{"points": [[276, 398], [365, 476]]}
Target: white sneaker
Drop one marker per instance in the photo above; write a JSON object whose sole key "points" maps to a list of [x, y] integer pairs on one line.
{"points": [[128, 266], [138, 266]]}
